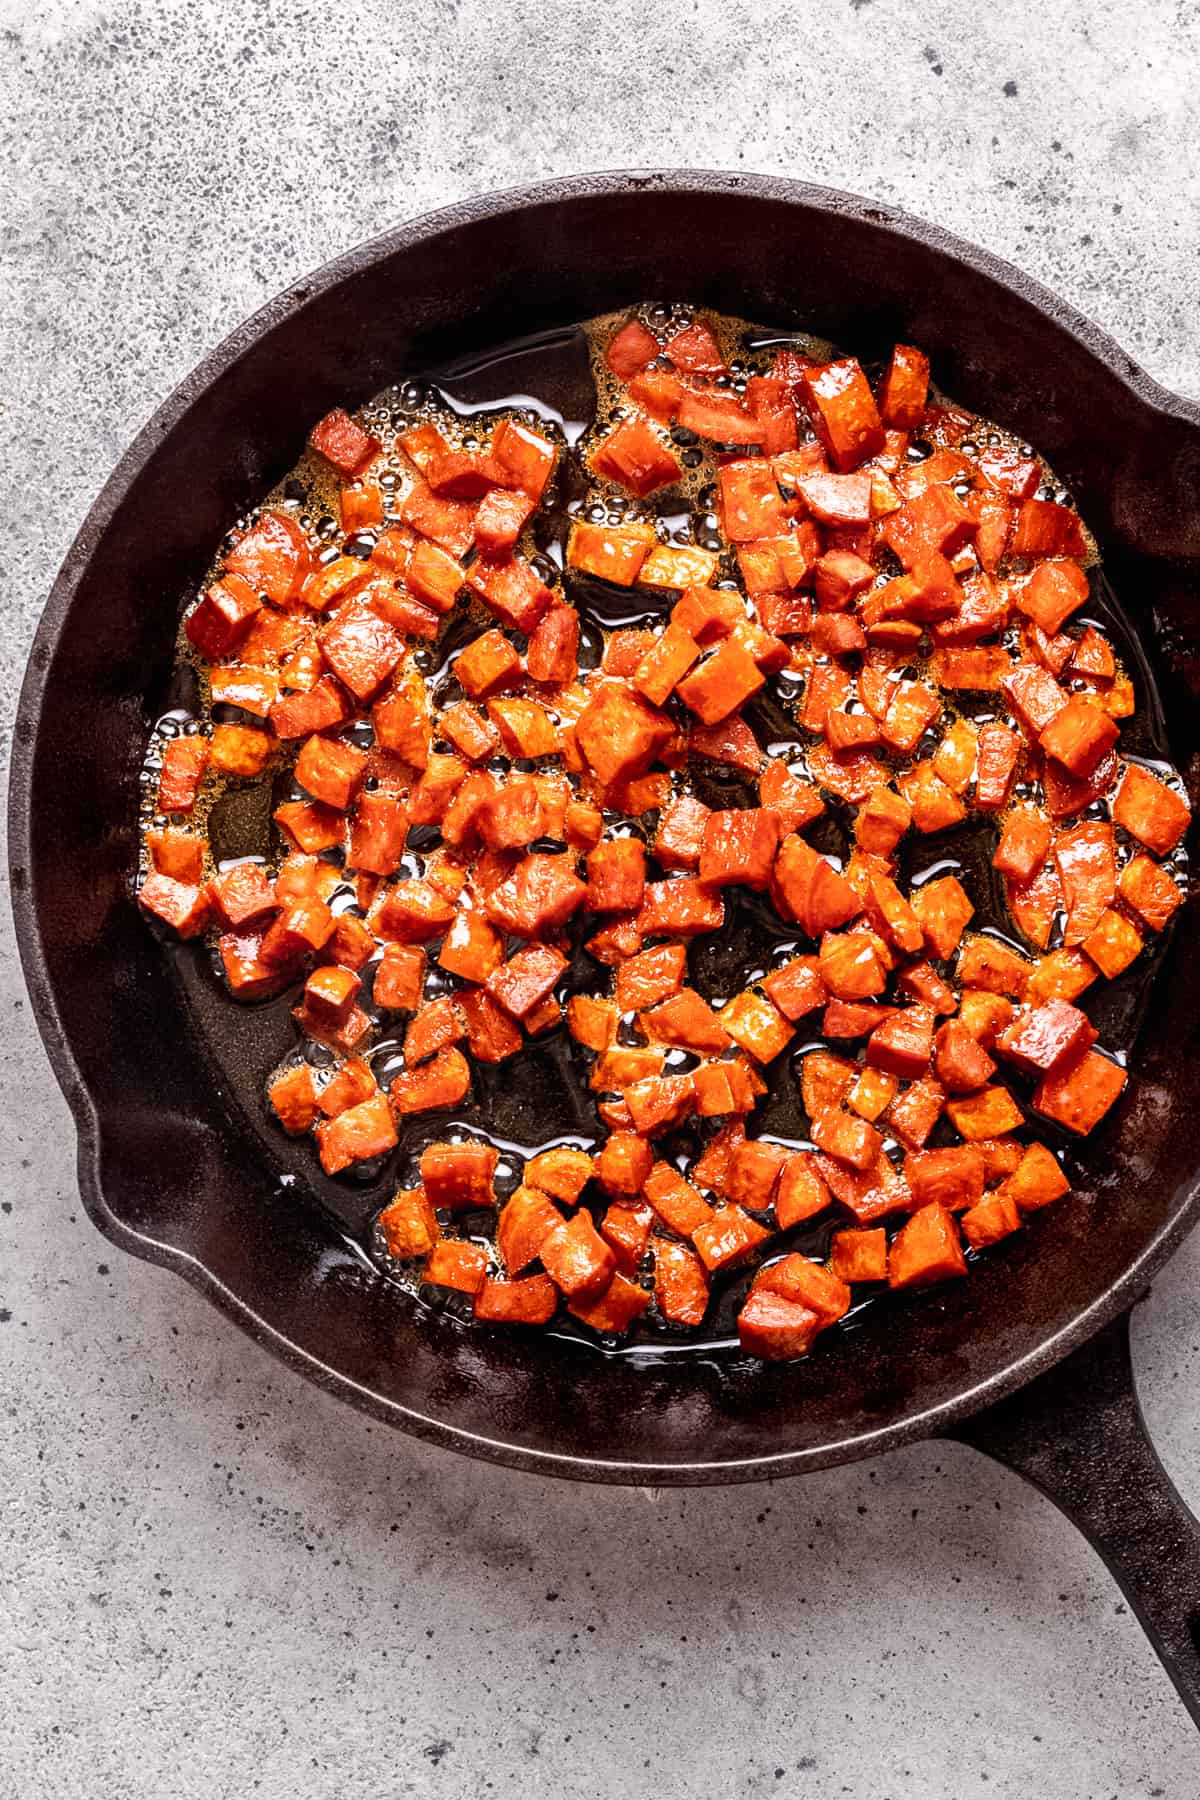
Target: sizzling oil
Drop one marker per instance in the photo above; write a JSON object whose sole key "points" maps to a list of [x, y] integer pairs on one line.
{"points": [[540, 1099]]}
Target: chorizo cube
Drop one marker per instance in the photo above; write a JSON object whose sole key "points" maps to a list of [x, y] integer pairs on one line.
{"points": [[616, 875], [302, 928], [999, 753], [619, 734], [721, 684], [242, 894], [613, 1311], [1051, 594], [408, 1225], [680, 835], [533, 1300], [710, 1169], [934, 806], [521, 984], [249, 977], [414, 911], [754, 1169], [811, 1283], [989, 1113], [800, 1193], [680, 1283], [310, 827], [513, 590], [562, 1172], [795, 803], [443, 1081], [459, 1176], [952, 1178], [471, 948], [680, 908], [913, 1116], [1078, 1094], [944, 909], [675, 1201], [552, 656], [1044, 528], [626, 1229], [499, 521], [341, 441], [774, 1328], [273, 557], [1113, 944], [839, 401], [963, 1066], [859, 1255], [676, 567], [577, 1259], [491, 1035], [911, 712], [650, 976], [881, 821], [331, 770], [797, 988], [623, 1164], [984, 962], [360, 648], [993, 1217], [1037, 1180], [488, 662], [1149, 810], [904, 389], [458, 1265], [872, 1093], [1042, 1038], [434, 576], [636, 457], [240, 750], [926, 1249], [630, 349], [525, 458], [613, 553], [903, 1044], [184, 761], [359, 1134], [510, 815], [181, 905], [1079, 735], [349, 1086], [179, 854], [751, 506], [220, 620], [1150, 891], [757, 1025], [846, 1138], [665, 663], [433, 1027], [1024, 843], [851, 964], [739, 847], [727, 1237], [400, 978], [684, 1020], [1034, 697], [329, 994], [293, 1098], [378, 832]]}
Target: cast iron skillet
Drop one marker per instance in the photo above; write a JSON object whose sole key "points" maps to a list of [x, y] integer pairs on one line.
{"points": [[174, 1168]]}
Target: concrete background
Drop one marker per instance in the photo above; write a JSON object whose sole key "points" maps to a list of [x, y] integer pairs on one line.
{"points": [[218, 1582]]}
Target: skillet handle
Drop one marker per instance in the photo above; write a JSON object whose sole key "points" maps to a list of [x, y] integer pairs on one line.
{"points": [[1077, 1433]]}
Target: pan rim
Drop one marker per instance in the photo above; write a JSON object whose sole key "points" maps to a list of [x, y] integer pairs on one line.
{"points": [[921, 1423]]}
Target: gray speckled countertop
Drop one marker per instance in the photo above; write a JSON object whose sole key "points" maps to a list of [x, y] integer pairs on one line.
{"points": [[216, 1580]]}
